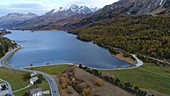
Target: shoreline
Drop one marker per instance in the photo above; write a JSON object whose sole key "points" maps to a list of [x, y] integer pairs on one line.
{"points": [[139, 63], [136, 64], [126, 59], [118, 56], [45, 30]]}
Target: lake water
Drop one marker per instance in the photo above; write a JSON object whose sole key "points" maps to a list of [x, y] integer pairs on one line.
{"points": [[41, 48]]}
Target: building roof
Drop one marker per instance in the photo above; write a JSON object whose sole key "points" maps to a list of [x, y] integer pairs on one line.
{"points": [[35, 91], [46, 92], [34, 79]]}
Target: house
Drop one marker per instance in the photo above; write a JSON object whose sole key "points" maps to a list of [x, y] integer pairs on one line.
{"points": [[33, 80], [36, 92]]}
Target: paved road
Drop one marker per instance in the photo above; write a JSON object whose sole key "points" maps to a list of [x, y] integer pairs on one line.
{"points": [[162, 61], [22, 88], [9, 86], [53, 86]]}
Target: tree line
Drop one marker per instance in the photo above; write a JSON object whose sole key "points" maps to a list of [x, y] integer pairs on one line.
{"points": [[5, 44]]}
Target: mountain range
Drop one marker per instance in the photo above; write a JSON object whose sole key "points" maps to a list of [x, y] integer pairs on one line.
{"points": [[77, 16], [54, 15], [123, 8], [13, 19]]}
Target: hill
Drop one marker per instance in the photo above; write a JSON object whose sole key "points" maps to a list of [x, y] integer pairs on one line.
{"points": [[146, 35]]}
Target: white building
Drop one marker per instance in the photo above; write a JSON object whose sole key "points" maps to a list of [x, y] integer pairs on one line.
{"points": [[33, 80]]}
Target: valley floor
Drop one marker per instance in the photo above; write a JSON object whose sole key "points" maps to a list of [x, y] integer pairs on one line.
{"points": [[154, 79]]}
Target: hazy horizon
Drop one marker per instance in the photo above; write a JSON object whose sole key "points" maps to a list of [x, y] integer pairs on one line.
{"points": [[41, 6]]}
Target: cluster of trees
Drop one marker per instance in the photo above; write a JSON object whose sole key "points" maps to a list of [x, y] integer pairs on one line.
{"points": [[5, 45], [148, 35], [67, 79], [115, 81], [157, 63]]}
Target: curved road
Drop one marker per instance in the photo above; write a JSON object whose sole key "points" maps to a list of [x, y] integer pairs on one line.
{"points": [[53, 86], [9, 86]]}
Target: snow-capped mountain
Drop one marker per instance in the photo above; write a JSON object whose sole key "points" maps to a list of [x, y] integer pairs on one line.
{"points": [[61, 13], [82, 9], [73, 8]]}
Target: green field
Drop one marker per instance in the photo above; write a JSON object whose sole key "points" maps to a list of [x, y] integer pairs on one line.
{"points": [[148, 76], [44, 85], [15, 78], [52, 70]]}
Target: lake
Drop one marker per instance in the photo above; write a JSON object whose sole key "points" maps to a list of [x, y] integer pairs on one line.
{"points": [[42, 48]]}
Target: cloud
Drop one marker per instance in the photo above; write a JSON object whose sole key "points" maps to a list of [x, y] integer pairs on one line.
{"points": [[26, 6]]}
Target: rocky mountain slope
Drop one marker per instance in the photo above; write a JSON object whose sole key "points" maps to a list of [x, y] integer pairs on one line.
{"points": [[12, 19], [124, 7]]}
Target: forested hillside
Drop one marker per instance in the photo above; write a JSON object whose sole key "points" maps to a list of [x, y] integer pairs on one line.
{"points": [[146, 35], [5, 44]]}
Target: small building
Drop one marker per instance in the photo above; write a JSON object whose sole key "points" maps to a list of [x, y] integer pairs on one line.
{"points": [[33, 80], [36, 92], [46, 92]]}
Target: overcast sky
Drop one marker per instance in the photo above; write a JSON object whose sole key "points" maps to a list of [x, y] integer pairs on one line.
{"points": [[42, 6]]}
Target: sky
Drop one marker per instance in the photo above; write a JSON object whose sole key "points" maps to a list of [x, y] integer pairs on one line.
{"points": [[42, 6]]}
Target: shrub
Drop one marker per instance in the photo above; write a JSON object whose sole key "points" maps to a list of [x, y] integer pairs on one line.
{"points": [[86, 91], [64, 85], [99, 82]]}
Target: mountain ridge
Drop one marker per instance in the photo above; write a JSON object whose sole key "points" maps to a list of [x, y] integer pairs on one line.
{"points": [[123, 8], [117, 9], [56, 15], [13, 19]]}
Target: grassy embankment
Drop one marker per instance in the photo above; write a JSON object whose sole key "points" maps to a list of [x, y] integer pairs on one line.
{"points": [[52, 70], [149, 76]]}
